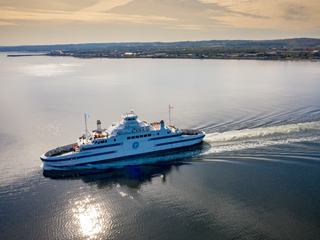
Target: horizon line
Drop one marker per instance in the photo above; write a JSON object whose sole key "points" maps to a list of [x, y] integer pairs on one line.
{"points": [[61, 44]]}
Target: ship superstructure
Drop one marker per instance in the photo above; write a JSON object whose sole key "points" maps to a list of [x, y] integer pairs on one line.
{"points": [[128, 138]]}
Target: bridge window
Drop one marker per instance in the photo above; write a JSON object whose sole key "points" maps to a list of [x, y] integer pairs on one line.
{"points": [[149, 135], [128, 137]]}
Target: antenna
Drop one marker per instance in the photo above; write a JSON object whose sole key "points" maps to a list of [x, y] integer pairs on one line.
{"points": [[169, 115], [85, 120]]}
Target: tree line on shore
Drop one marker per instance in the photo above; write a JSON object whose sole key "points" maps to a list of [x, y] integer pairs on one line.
{"points": [[297, 48]]}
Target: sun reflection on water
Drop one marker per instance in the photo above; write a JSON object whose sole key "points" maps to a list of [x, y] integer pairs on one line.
{"points": [[48, 70], [89, 217]]}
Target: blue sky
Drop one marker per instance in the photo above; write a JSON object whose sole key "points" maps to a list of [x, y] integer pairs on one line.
{"points": [[81, 21]]}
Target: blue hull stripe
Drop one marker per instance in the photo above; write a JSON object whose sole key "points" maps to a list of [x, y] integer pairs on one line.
{"points": [[103, 146], [135, 155], [77, 157], [138, 155], [158, 138], [161, 144]]}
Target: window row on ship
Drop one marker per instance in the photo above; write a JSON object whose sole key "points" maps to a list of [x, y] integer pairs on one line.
{"points": [[135, 137], [140, 136], [132, 137]]}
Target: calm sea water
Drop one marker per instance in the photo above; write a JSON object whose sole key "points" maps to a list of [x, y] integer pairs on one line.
{"points": [[255, 176]]}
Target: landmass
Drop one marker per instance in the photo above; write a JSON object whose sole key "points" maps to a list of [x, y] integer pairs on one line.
{"points": [[281, 49]]}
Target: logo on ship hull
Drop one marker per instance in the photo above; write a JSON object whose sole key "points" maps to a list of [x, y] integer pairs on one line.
{"points": [[135, 145]]}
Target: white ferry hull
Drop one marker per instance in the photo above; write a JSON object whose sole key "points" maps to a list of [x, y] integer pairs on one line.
{"points": [[122, 148]]}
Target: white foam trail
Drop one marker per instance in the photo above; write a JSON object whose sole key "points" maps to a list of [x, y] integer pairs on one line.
{"points": [[259, 132], [220, 160], [255, 144]]}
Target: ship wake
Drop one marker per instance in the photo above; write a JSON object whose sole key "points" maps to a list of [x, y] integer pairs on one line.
{"points": [[217, 143], [262, 137]]}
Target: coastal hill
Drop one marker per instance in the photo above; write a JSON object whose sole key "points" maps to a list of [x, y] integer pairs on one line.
{"points": [[295, 43], [296, 48]]}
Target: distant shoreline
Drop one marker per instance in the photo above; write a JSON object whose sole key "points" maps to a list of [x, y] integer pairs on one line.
{"points": [[156, 57], [279, 49], [26, 55]]}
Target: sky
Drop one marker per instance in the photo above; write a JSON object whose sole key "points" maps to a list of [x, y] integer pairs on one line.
{"points": [[41, 22]]}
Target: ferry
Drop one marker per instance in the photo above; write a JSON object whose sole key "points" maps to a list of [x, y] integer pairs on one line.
{"points": [[128, 138]]}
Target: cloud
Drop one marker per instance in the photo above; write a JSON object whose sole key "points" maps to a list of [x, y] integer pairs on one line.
{"points": [[6, 23], [296, 12], [105, 5], [292, 15], [271, 8], [40, 15], [190, 14], [165, 19], [54, 5], [186, 27]]}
